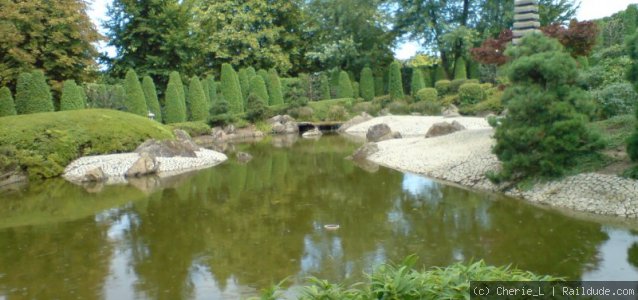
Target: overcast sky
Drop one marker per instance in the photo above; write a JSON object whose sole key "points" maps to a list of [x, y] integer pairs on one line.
{"points": [[589, 9]]}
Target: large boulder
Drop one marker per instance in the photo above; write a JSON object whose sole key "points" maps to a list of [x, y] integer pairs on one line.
{"points": [[381, 132], [354, 121], [144, 165], [451, 111], [444, 128], [313, 133], [283, 124], [174, 148], [94, 175]]}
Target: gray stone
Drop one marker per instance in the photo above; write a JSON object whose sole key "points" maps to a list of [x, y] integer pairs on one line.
{"points": [[278, 128], [145, 165], [451, 112], [315, 132], [354, 121], [168, 148], [181, 135], [94, 175], [243, 157], [292, 127], [377, 132], [444, 128]]}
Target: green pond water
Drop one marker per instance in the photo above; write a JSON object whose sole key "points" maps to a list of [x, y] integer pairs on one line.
{"points": [[230, 231]]}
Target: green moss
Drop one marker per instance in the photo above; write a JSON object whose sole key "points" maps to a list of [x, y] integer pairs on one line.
{"points": [[7, 106], [46, 142]]}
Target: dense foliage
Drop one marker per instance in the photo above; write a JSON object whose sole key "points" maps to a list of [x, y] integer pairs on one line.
{"points": [[259, 90], [460, 69], [72, 96], [33, 94], [544, 132], [231, 89], [632, 48], [274, 88], [7, 106], [135, 99], [417, 81], [197, 101], [175, 108], [366, 84], [471, 93], [150, 94], [395, 82], [345, 86], [442, 87], [427, 94], [324, 86]]}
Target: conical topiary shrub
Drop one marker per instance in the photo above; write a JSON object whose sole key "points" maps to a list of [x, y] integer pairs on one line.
{"points": [[395, 82], [379, 85], [324, 86], [417, 81], [33, 94], [460, 69], [174, 111], [366, 86], [135, 100], [231, 90], [71, 96], [345, 86], [176, 79], [334, 83], [212, 91], [244, 83], [274, 88], [258, 89], [150, 94], [440, 74], [198, 105], [7, 107]]}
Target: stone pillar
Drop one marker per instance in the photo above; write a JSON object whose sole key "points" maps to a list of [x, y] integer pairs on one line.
{"points": [[526, 18]]}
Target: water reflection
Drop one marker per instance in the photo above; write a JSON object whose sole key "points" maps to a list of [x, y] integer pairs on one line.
{"points": [[230, 231]]}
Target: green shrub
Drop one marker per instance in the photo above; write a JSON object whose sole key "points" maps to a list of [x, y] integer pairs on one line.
{"points": [[256, 107], [337, 113], [212, 91], [486, 87], [33, 94], [440, 74], [395, 83], [174, 110], [367, 106], [198, 106], [460, 69], [231, 90], [345, 87], [355, 90], [71, 96], [150, 94], [197, 128], [417, 81], [492, 104], [258, 89], [367, 84], [135, 100], [456, 84], [334, 82], [427, 94], [47, 142], [244, 83], [382, 101], [295, 95], [324, 86], [302, 113], [7, 107], [544, 132], [427, 77], [220, 114], [274, 88], [442, 87], [379, 86], [104, 96], [398, 108], [471, 93], [427, 107], [615, 99]]}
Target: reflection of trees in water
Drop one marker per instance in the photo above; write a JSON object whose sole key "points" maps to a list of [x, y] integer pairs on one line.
{"points": [[67, 260]]}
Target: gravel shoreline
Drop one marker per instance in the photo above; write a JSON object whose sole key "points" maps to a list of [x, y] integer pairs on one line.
{"points": [[465, 156]]}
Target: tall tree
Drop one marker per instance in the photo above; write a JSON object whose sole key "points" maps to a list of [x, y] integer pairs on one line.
{"points": [[152, 36], [54, 36], [150, 94]]}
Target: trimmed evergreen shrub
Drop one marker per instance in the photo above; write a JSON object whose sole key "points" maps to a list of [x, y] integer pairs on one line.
{"points": [[135, 100], [334, 83], [150, 94], [33, 94], [367, 84], [460, 69], [264, 74], [176, 79], [355, 90], [274, 88], [324, 86], [205, 87], [251, 72], [7, 107], [456, 84], [345, 87], [427, 77], [395, 83], [379, 86], [417, 81], [427, 94], [71, 96], [471, 93], [174, 111], [212, 91], [256, 108], [442, 87], [427, 108], [244, 83], [220, 114], [231, 90], [474, 71], [440, 74], [119, 96], [198, 105], [615, 99], [258, 89], [545, 131]]}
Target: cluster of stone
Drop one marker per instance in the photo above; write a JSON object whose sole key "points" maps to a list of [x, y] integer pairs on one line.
{"points": [[526, 19]]}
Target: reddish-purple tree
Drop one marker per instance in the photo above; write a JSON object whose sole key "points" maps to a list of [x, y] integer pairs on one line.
{"points": [[492, 51]]}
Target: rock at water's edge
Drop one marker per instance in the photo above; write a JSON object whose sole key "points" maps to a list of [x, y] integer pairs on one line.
{"points": [[145, 165]]}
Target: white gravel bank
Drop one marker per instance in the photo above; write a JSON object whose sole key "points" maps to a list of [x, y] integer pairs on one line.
{"points": [[465, 156], [115, 166]]}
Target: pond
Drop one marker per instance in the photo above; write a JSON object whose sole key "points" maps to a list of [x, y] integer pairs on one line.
{"points": [[230, 231]]}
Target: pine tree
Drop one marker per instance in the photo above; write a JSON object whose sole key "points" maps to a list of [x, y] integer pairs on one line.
{"points": [[174, 111], [395, 82], [135, 100], [274, 88], [367, 84], [231, 89], [150, 94], [258, 89], [324, 87], [460, 70], [345, 87], [198, 105], [244, 82], [33, 94], [71, 96], [7, 107], [417, 81]]}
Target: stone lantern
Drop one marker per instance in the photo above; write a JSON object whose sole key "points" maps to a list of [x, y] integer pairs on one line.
{"points": [[526, 19], [151, 115]]}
